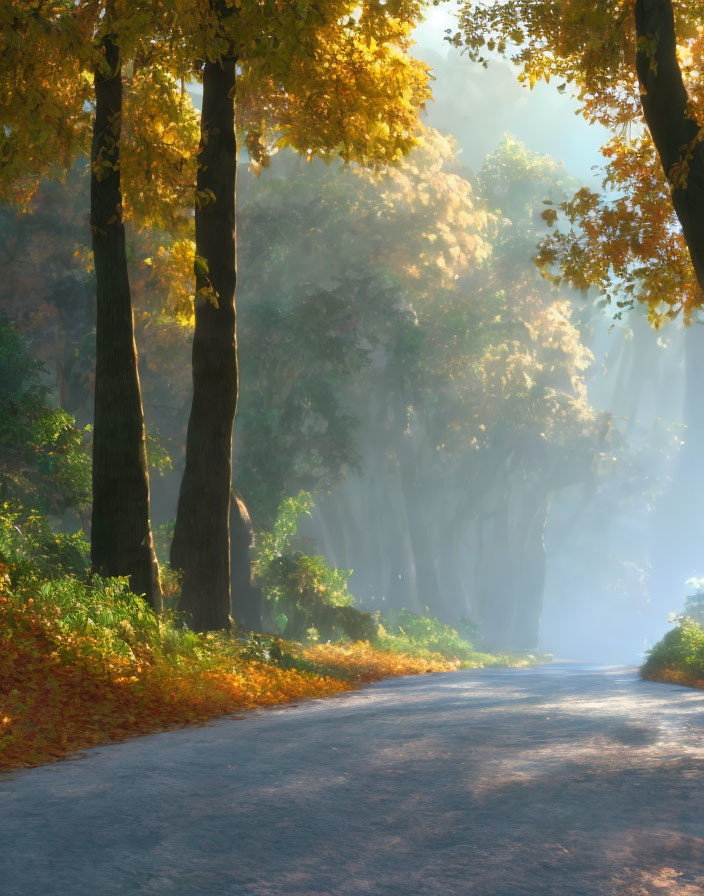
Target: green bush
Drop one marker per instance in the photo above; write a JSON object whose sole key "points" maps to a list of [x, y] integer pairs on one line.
{"points": [[407, 632], [105, 611], [305, 599], [43, 461], [110, 622], [681, 650], [33, 552], [345, 623]]}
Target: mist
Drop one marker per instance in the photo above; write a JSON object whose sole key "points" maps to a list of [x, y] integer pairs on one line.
{"points": [[480, 445], [621, 545], [351, 438]]}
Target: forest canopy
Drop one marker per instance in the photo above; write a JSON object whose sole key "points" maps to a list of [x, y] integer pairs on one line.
{"points": [[636, 69]]}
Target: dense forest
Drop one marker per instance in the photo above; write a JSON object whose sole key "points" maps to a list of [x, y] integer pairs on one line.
{"points": [[300, 379]]}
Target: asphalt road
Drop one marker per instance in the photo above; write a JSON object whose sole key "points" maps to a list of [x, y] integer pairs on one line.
{"points": [[559, 780]]}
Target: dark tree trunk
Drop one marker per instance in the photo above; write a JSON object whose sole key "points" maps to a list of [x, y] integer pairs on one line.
{"points": [[121, 538], [201, 545], [674, 129]]}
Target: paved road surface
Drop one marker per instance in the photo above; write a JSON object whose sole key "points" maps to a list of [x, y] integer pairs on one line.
{"points": [[560, 780]]}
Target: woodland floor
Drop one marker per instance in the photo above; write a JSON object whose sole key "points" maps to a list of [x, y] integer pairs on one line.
{"points": [[552, 781]]}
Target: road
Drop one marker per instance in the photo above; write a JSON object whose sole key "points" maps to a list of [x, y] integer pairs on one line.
{"points": [[561, 780]]}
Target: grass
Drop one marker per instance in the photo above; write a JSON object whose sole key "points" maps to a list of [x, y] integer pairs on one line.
{"points": [[85, 664], [425, 637]]}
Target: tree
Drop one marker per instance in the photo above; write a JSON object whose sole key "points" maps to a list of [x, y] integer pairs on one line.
{"points": [[327, 80], [121, 537], [673, 120], [201, 543], [72, 76], [640, 238], [46, 125], [419, 377], [638, 58], [287, 57]]}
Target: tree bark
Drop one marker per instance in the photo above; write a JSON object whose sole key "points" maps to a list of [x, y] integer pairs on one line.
{"points": [[201, 544], [675, 131], [121, 537]]}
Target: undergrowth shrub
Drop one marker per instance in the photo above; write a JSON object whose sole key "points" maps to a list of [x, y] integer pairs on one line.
{"points": [[305, 598], [83, 661], [84, 664], [33, 552], [680, 653], [111, 621], [405, 632], [43, 461], [408, 633]]}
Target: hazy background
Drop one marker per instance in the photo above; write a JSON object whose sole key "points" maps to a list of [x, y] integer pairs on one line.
{"points": [[617, 563], [480, 447], [592, 610]]}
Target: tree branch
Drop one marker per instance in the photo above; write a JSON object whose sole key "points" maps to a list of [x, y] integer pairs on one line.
{"points": [[673, 126]]}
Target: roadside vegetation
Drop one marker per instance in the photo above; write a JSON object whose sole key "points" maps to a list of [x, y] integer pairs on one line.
{"points": [[83, 661], [678, 657]]}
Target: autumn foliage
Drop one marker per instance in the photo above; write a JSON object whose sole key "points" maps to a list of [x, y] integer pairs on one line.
{"points": [[60, 692], [361, 662], [72, 680], [626, 239], [85, 664]]}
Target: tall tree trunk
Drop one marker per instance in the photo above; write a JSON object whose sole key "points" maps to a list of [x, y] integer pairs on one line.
{"points": [[672, 125], [201, 544], [121, 538]]}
